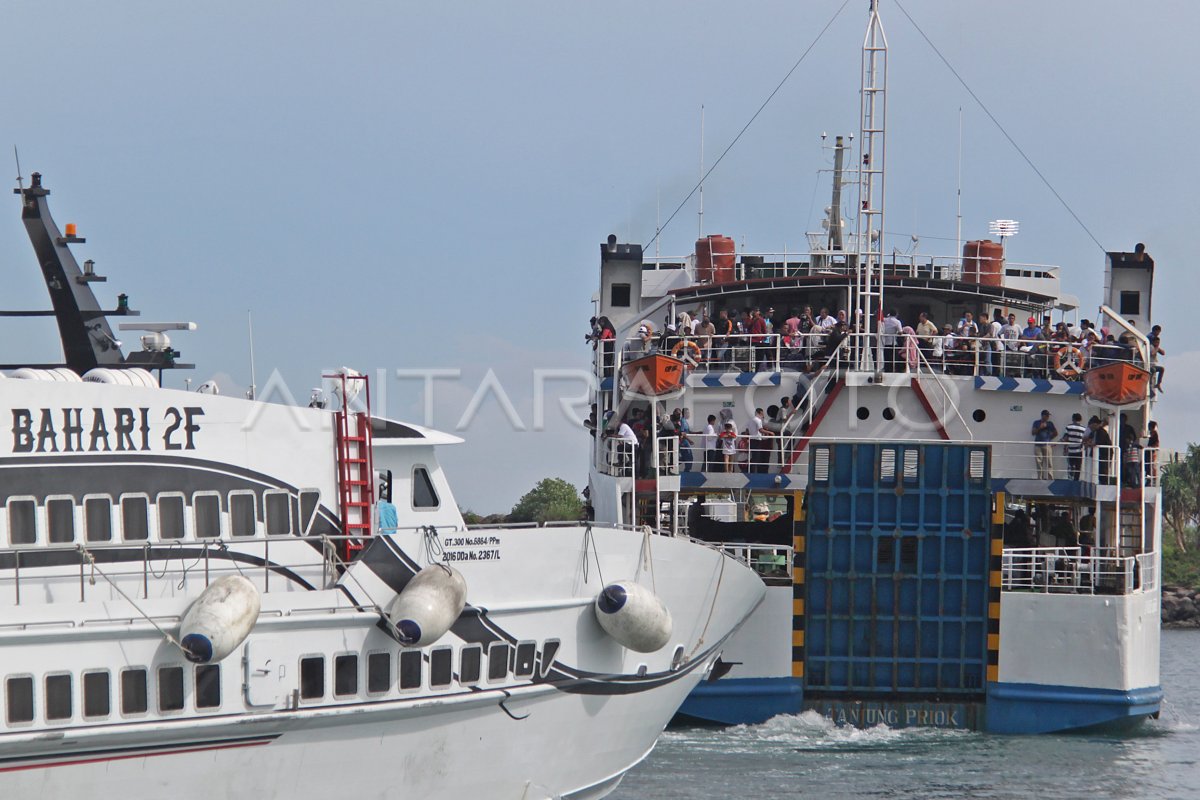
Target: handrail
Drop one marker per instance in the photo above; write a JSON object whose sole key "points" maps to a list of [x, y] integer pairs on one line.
{"points": [[1071, 570], [946, 399]]}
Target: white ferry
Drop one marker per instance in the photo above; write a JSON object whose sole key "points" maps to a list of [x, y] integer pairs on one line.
{"points": [[926, 560], [212, 596]]}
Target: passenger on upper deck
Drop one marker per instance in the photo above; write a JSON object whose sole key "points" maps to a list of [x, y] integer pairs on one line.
{"points": [[1099, 438], [1044, 433], [926, 332]]}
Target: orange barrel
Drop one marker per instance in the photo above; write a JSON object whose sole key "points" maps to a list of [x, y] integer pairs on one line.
{"points": [[715, 259], [983, 262]]}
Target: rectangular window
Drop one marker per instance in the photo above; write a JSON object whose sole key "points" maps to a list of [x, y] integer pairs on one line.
{"points": [[345, 675], [526, 651], [312, 678], [498, 655], [424, 495], [440, 666], [19, 700], [208, 686], [279, 513], [469, 660], [22, 522], [379, 672], [60, 520], [206, 513], [97, 519], [620, 295], [58, 697], [410, 669], [96, 700], [135, 518], [134, 697], [242, 516], [170, 689], [1131, 304], [170, 516]]}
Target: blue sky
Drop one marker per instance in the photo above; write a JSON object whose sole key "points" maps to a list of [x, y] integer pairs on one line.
{"points": [[391, 185]]}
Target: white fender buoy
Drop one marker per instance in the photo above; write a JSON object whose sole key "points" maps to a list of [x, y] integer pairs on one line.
{"points": [[220, 619], [428, 605], [634, 616]]}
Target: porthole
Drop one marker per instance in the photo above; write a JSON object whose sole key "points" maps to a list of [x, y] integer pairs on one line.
{"points": [[889, 413], [863, 412], [979, 415]]}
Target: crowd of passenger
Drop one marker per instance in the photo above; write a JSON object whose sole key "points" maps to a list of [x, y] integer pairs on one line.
{"points": [[751, 340]]}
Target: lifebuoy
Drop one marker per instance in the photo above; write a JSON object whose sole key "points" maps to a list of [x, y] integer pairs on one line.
{"points": [[1069, 361], [692, 348]]}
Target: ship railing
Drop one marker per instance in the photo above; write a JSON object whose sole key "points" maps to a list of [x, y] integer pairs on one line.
{"points": [[1077, 570], [668, 455], [619, 457], [768, 560]]}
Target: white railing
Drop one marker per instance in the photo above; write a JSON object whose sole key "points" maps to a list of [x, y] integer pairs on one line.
{"points": [[768, 560], [668, 455], [618, 458], [1075, 570]]}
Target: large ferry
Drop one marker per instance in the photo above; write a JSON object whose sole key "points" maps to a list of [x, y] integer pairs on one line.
{"points": [[944, 470], [214, 596]]}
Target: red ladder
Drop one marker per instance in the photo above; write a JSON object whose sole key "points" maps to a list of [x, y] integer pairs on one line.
{"points": [[356, 469]]}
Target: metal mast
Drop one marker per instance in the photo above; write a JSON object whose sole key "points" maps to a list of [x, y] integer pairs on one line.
{"points": [[869, 233]]}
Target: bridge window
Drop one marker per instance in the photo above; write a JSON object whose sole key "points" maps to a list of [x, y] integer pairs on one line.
{"points": [[170, 516], [60, 520], [1131, 304], [97, 703], [440, 668], [410, 669], [206, 513], [134, 696], [379, 672], [208, 686], [135, 517], [310, 501], [58, 697], [279, 513], [170, 689], [312, 678], [22, 522], [97, 519], [498, 655], [345, 675], [620, 295], [19, 700], [242, 515], [523, 667], [424, 495], [469, 660]]}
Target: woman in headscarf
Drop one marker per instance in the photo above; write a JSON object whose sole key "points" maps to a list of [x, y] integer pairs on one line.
{"points": [[909, 349]]}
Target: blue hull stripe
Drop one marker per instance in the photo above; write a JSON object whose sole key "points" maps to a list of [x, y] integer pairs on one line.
{"points": [[1033, 708], [743, 701]]}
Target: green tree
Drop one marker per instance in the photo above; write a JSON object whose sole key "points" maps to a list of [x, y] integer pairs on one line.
{"points": [[552, 499], [1181, 494]]}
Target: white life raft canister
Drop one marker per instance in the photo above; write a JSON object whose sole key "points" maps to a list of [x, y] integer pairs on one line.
{"points": [[219, 620], [427, 607], [634, 616]]}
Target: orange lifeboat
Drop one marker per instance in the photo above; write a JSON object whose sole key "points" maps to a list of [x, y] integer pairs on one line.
{"points": [[1118, 384], [653, 375]]}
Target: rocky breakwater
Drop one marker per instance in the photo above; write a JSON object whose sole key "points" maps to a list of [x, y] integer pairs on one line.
{"points": [[1180, 607]]}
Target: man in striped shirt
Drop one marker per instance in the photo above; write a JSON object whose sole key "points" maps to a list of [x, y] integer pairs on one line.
{"points": [[1073, 436]]}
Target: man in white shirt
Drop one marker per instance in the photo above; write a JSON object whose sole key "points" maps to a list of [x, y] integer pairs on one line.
{"points": [[758, 451], [890, 332], [825, 321], [995, 347], [712, 446]]}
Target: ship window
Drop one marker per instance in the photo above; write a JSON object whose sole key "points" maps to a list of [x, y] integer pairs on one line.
{"points": [[440, 671], [19, 697], [97, 519], [135, 517], [424, 495], [206, 513], [620, 296], [60, 520], [821, 464], [410, 669], [863, 412], [96, 700], [469, 659], [345, 675], [312, 678], [170, 516], [134, 697], [22, 522], [887, 464], [170, 689], [498, 655], [911, 463], [310, 501], [58, 697], [523, 667], [241, 513], [379, 672], [1131, 304], [976, 465], [279, 513], [979, 415], [208, 686]]}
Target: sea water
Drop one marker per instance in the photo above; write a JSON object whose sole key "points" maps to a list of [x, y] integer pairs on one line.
{"points": [[805, 755]]}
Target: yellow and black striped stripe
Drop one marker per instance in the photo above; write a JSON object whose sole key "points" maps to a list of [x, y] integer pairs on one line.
{"points": [[798, 563], [995, 581]]}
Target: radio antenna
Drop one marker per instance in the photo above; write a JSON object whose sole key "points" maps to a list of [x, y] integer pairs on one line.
{"points": [[20, 181], [253, 379]]}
